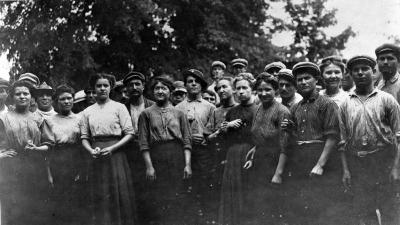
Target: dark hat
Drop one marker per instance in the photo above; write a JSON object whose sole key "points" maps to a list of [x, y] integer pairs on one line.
{"points": [[239, 62], [198, 74], [286, 74], [361, 59], [133, 75], [44, 88], [3, 83], [278, 65], [388, 48], [30, 77], [218, 63], [179, 86], [306, 66], [264, 74]]}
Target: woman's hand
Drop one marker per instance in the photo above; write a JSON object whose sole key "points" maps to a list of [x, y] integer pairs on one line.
{"points": [[7, 153], [95, 152], [346, 179], [248, 164], [287, 124], [317, 170], [198, 139], [30, 146], [150, 174], [234, 123], [106, 151], [187, 172], [276, 179]]}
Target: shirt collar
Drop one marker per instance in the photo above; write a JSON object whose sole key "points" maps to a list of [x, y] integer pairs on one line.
{"points": [[312, 98], [199, 99], [394, 78], [353, 93]]}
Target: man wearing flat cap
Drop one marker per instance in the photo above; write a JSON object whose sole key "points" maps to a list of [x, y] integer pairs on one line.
{"points": [[274, 68], [199, 113], [217, 72], [316, 129], [135, 82], [388, 58], [179, 93], [44, 97], [3, 96], [239, 65], [370, 131], [287, 88]]}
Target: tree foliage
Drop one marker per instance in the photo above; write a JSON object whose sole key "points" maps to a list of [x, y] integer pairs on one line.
{"points": [[308, 21], [63, 41]]}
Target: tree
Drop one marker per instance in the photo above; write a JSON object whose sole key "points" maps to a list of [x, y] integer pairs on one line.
{"points": [[308, 21]]}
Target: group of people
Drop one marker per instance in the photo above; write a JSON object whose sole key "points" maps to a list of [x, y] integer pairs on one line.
{"points": [[315, 144]]}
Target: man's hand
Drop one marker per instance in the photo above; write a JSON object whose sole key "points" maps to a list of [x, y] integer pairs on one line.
{"points": [[248, 164], [150, 174], [276, 179], [187, 172], [197, 139], [317, 170], [287, 124], [346, 179], [234, 123]]}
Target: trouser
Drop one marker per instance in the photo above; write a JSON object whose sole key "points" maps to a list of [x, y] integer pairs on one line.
{"points": [[373, 192]]}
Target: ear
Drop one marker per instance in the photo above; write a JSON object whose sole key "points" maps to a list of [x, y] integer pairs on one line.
{"points": [[374, 70]]}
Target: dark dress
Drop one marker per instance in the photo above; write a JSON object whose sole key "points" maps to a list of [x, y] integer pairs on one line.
{"points": [[110, 182], [24, 186], [165, 133], [271, 141], [234, 181]]}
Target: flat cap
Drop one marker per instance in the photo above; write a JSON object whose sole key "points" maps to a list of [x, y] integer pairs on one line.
{"points": [[179, 86], [239, 62], [30, 77], [3, 83], [133, 75], [286, 74], [218, 63], [279, 65], [198, 74], [388, 48], [361, 59], [44, 88], [306, 66], [264, 74]]}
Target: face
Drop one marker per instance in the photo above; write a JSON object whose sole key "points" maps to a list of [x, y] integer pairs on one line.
{"points": [[362, 75], [265, 92], [135, 88], [3, 95], [90, 96], [243, 90], [286, 88], [224, 89], [102, 89], [306, 83], [22, 97], [238, 69], [44, 102], [65, 101], [274, 71], [193, 85], [161, 92], [347, 82], [388, 64], [332, 75], [177, 97], [217, 72], [209, 98]]}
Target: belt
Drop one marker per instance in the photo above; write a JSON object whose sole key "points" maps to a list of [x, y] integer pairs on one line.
{"points": [[362, 154], [310, 142]]}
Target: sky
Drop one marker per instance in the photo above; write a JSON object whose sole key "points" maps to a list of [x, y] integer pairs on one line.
{"points": [[373, 21]]}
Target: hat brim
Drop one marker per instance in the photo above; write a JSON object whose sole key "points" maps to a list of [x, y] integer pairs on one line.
{"points": [[314, 71], [203, 82], [180, 90], [238, 64], [133, 77]]}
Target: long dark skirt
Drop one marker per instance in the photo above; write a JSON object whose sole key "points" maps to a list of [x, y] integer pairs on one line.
{"points": [[265, 199], [111, 189], [66, 164], [166, 194], [234, 185], [24, 189]]}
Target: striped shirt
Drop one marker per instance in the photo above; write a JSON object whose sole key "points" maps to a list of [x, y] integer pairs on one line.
{"points": [[365, 125], [315, 118]]}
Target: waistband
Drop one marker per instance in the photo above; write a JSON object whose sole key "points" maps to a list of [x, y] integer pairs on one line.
{"points": [[310, 142], [106, 138]]}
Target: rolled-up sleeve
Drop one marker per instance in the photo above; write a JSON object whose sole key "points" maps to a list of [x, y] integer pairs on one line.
{"points": [[185, 130], [84, 126], [47, 135], [342, 117], [144, 132], [125, 121], [330, 119]]}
